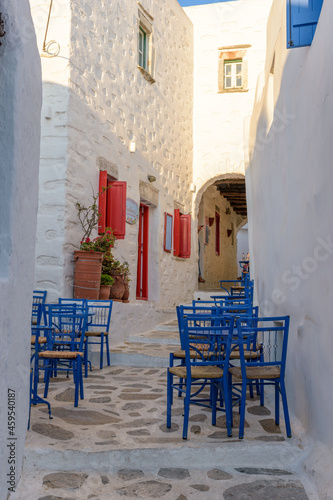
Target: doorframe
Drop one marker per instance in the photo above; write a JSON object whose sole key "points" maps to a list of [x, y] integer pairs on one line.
{"points": [[143, 246]]}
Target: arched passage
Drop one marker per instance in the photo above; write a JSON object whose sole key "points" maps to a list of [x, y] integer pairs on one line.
{"points": [[221, 210]]}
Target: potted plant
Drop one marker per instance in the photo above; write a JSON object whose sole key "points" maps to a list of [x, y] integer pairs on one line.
{"points": [[106, 283], [125, 274], [113, 267], [88, 260]]}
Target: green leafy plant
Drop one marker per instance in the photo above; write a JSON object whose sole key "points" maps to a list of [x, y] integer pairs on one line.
{"points": [[106, 279], [110, 265], [125, 272]]}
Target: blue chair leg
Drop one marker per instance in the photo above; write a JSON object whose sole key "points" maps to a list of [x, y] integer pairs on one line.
{"points": [[47, 378], [79, 362], [107, 349], [101, 353], [262, 393], [169, 398], [285, 408], [213, 401], [277, 403], [76, 383], [186, 408], [242, 413], [86, 345]]}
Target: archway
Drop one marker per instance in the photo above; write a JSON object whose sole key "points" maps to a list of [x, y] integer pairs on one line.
{"points": [[221, 212]]}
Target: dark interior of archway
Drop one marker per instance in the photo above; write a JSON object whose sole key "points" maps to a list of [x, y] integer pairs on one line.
{"points": [[235, 192]]}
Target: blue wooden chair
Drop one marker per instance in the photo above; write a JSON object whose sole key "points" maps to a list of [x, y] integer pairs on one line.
{"points": [[207, 343], [65, 345], [269, 368], [38, 313], [99, 326]]}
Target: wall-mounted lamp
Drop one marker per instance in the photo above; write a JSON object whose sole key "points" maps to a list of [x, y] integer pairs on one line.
{"points": [[227, 211], [229, 232], [151, 178], [211, 221], [132, 147]]}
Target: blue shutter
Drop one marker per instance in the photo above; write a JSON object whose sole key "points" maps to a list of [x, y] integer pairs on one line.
{"points": [[302, 19]]}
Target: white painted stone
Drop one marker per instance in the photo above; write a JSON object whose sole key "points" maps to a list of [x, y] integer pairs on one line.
{"points": [[100, 103], [20, 105], [219, 142], [290, 204]]}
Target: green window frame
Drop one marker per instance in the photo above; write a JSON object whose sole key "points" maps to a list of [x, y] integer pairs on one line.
{"points": [[142, 49], [233, 74]]}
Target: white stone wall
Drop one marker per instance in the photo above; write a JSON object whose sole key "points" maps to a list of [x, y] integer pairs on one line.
{"points": [[20, 104], [95, 102], [50, 262], [221, 118], [112, 104], [290, 207]]}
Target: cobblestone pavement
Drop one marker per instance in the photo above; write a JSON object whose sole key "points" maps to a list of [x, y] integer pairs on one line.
{"points": [[116, 444]]}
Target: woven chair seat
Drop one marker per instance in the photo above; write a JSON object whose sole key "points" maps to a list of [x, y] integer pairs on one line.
{"points": [[60, 354], [96, 334], [197, 371], [247, 355], [41, 340], [255, 372]]}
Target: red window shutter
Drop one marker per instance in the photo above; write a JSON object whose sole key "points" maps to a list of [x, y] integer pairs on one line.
{"points": [[185, 236], [217, 233], [103, 184], [176, 232], [116, 208]]}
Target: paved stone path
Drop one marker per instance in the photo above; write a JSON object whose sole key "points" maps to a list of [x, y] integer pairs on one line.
{"points": [[116, 444]]}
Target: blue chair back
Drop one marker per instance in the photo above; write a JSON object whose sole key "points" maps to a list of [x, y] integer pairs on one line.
{"points": [[101, 313], [69, 325], [38, 302], [207, 339], [271, 334]]}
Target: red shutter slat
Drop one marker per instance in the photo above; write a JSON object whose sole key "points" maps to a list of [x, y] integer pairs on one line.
{"points": [[116, 208], [176, 232], [103, 184], [185, 236]]}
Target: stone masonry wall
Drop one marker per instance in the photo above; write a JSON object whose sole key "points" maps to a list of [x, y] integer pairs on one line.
{"points": [[112, 104], [221, 119], [50, 262], [20, 105]]}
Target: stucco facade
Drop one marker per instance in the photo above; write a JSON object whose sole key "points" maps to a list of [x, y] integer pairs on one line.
{"points": [[290, 203], [220, 120], [96, 103], [20, 104]]}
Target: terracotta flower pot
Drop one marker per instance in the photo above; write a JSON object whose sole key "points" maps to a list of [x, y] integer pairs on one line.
{"points": [[118, 288], [87, 274], [104, 292], [126, 293]]}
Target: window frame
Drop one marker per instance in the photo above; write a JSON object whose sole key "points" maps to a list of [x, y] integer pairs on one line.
{"points": [[234, 75], [145, 49], [232, 55]]}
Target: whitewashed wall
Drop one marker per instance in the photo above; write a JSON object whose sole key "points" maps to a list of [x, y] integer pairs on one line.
{"points": [[219, 140], [20, 104], [95, 103], [290, 175], [112, 104]]}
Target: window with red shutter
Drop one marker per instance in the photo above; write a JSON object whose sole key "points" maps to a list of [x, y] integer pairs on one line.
{"points": [[116, 208], [182, 235], [103, 184], [176, 232], [185, 236], [112, 205], [217, 233]]}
